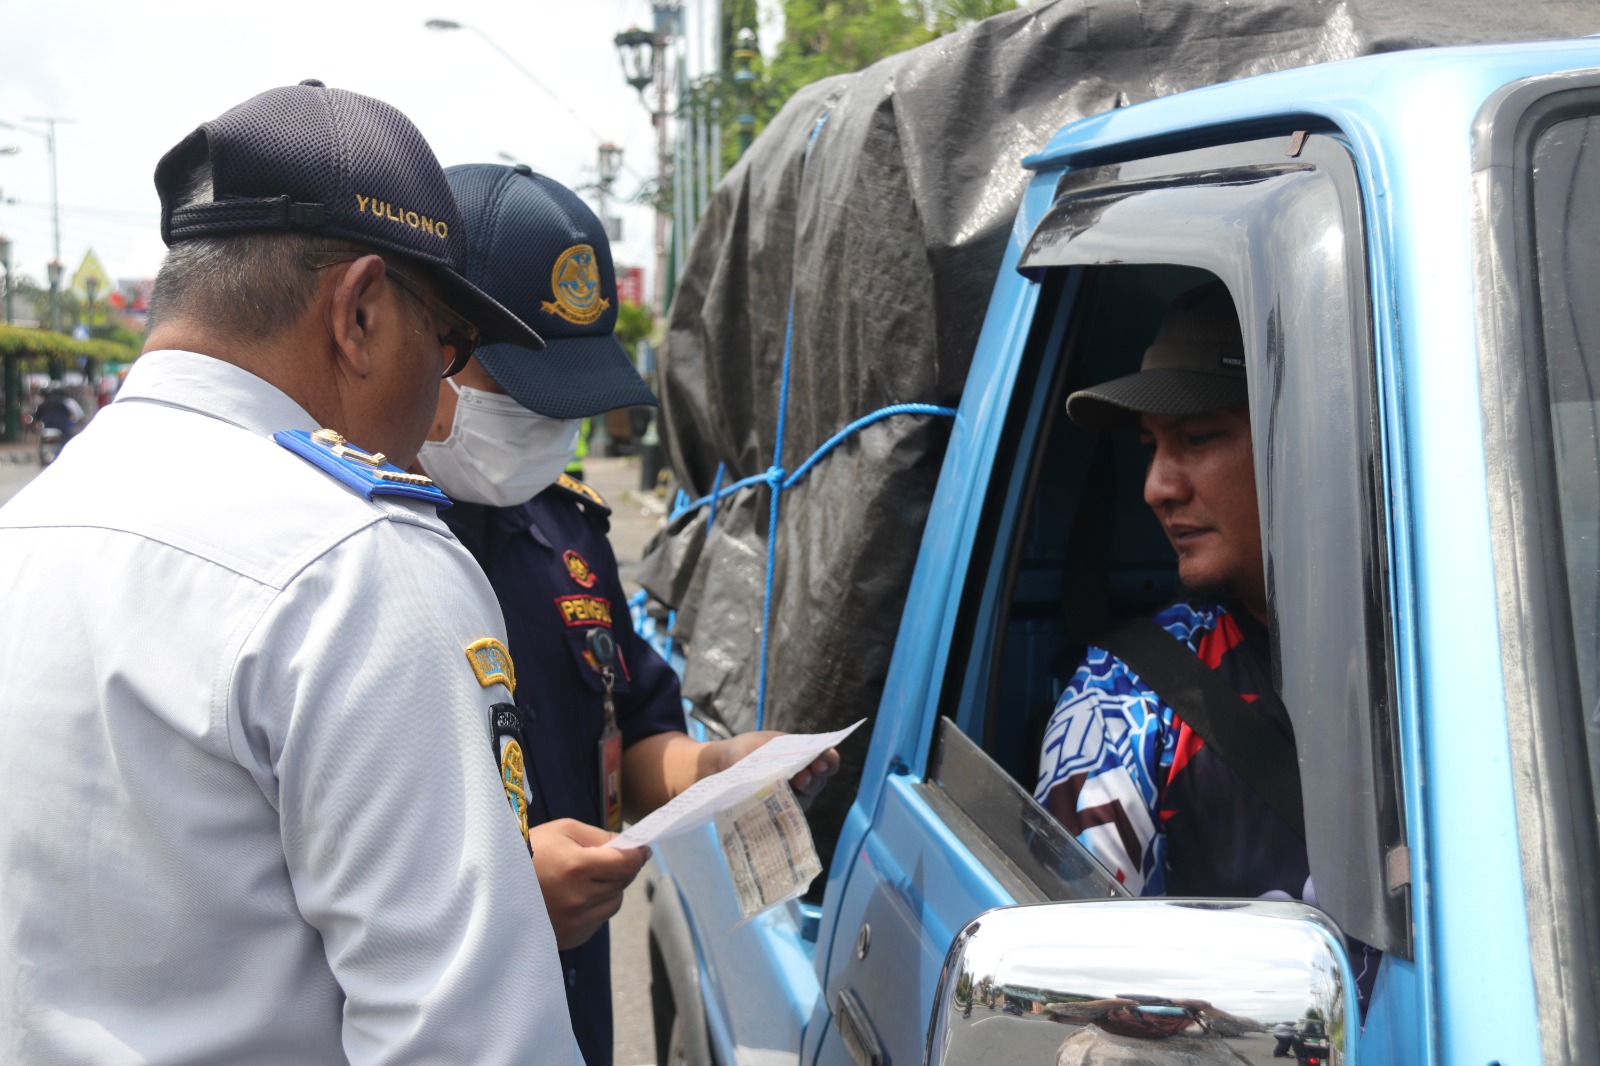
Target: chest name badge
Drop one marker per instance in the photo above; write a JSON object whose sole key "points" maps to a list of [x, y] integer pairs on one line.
{"points": [[584, 610], [492, 663]]}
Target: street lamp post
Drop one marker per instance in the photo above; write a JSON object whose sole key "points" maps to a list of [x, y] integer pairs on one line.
{"points": [[50, 122], [90, 287], [609, 166], [11, 423], [53, 271], [5, 261], [643, 56], [744, 82]]}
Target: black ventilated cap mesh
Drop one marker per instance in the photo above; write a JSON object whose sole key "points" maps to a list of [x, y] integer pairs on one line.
{"points": [[475, 189], [1195, 365], [302, 163], [574, 377], [309, 158], [1118, 404], [523, 229]]}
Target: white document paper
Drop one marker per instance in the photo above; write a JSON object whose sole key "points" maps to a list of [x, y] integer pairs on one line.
{"points": [[769, 850], [777, 759]]}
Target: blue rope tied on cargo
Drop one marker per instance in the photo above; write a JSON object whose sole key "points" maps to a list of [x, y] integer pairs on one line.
{"points": [[716, 486], [788, 480], [778, 480]]}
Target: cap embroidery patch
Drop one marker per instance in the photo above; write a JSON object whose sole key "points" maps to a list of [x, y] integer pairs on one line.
{"points": [[578, 568], [492, 663], [575, 282]]}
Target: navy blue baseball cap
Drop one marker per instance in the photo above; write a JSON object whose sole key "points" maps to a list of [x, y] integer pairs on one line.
{"points": [[311, 159], [537, 248]]}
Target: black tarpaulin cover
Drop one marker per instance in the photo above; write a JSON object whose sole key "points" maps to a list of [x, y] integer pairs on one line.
{"points": [[889, 235]]}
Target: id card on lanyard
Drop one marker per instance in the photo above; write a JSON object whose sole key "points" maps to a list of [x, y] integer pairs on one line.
{"points": [[604, 650]]}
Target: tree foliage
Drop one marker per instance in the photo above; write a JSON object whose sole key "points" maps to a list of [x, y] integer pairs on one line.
{"points": [[634, 322], [42, 344], [822, 38]]}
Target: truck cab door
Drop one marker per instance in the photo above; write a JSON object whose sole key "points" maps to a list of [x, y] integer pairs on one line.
{"points": [[944, 827]]}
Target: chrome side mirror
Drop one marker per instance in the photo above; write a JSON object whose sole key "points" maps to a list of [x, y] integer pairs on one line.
{"points": [[1149, 981]]}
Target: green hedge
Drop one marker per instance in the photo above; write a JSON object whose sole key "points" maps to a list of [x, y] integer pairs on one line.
{"points": [[43, 344]]}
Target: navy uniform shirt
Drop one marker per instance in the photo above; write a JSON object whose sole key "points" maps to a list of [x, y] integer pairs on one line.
{"points": [[556, 577]]}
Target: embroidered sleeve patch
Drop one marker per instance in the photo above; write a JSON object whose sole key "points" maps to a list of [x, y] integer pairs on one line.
{"points": [[506, 723], [492, 663]]}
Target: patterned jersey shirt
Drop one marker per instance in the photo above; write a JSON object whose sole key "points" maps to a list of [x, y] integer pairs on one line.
{"points": [[1139, 788]]}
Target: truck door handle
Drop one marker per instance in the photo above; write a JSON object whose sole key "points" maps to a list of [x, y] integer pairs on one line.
{"points": [[856, 1030]]}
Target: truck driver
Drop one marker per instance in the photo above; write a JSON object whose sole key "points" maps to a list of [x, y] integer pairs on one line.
{"points": [[1119, 767]]}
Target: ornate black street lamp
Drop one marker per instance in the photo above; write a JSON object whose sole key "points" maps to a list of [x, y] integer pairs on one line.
{"points": [[636, 49], [744, 83], [11, 424]]}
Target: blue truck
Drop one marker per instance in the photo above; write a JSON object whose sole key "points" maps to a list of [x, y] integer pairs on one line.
{"points": [[1413, 244]]}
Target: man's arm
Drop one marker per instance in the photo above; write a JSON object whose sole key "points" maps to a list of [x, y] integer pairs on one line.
{"points": [[400, 845], [582, 881], [656, 769], [1099, 770], [660, 760]]}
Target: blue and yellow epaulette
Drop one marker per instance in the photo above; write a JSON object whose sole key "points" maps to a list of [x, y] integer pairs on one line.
{"points": [[369, 473], [582, 493]]}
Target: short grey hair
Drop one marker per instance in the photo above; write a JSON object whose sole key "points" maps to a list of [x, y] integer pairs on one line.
{"points": [[252, 284]]}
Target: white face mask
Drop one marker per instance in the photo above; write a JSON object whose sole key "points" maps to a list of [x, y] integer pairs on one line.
{"points": [[498, 453]]}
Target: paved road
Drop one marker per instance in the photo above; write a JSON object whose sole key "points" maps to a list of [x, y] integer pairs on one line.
{"points": [[1034, 1042], [15, 475]]}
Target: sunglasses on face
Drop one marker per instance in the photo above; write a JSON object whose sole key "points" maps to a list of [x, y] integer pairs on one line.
{"points": [[460, 337]]}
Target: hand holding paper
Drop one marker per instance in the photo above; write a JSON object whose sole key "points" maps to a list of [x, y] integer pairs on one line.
{"points": [[777, 759]]}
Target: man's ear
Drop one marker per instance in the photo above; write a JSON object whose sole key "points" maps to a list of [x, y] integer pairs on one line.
{"points": [[355, 307]]}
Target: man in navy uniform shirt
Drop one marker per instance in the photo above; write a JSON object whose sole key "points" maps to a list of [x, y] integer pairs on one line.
{"points": [[505, 429]]}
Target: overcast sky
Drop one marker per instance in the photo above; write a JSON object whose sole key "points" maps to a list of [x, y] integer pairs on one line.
{"points": [[138, 77]]}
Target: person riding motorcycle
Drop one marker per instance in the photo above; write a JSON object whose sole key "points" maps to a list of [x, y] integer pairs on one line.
{"points": [[58, 411], [57, 418]]}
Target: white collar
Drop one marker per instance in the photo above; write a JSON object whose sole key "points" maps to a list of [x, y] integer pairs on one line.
{"points": [[212, 387]]}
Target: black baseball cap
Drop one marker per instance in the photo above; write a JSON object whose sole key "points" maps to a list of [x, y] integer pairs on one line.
{"points": [[1196, 365], [311, 159], [537, 248]]}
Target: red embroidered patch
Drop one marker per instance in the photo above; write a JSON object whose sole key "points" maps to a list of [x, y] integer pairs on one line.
{"points": [[579, 569]]}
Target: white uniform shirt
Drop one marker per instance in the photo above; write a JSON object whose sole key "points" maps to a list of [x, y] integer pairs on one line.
{"points": [[249, 811]]}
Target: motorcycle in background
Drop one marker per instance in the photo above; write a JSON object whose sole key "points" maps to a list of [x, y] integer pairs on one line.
{"points": [[51, 441]]}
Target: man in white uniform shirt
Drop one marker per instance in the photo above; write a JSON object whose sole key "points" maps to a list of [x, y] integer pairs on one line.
{"points": [[249, 806]]}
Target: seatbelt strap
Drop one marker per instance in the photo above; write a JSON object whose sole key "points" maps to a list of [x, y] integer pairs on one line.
{"points": [[1241, 735]]}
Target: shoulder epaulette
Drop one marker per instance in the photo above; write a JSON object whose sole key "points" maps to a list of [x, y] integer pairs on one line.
{"points": [[369, 473], [582, 493]]}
